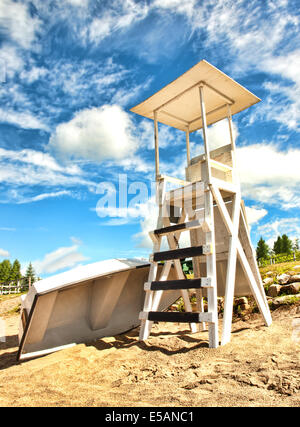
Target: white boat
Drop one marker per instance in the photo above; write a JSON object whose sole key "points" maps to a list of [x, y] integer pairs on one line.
{"points": [[84, 304]]}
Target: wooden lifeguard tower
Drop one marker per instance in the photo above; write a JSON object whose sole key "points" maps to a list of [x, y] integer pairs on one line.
{"points": [[208, 205]]}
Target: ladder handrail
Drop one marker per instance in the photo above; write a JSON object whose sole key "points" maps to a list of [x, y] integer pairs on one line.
{"points": [[173, 179]]}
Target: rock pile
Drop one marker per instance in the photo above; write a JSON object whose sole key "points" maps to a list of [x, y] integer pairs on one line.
{"points": [[287, 284]]}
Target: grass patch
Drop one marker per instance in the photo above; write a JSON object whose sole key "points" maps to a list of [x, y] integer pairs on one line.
{"points": [[11, 296]]}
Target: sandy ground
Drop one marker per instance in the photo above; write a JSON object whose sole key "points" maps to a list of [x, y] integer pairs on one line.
{"points": [[260, 367]]}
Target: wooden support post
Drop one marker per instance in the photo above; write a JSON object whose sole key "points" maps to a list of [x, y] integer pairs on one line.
{"points": [[188, 153], [156, 143], [211, 261], [260, 300], [204, 130], [231, 269], [235, 177], [146, 324], [211, 264]]}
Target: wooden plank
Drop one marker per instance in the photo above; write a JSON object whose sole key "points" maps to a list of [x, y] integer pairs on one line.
{"points": [[180, 317], [244, 262], [178, 284], [179, 227], [211, 263], [180, 253], [231, 271], [173, 179], [188, 152], [156, 145]]}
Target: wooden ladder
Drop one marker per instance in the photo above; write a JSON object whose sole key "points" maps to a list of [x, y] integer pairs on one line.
{"points": [[154, 287]]}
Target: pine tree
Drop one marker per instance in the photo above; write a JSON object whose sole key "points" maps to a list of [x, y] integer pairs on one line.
{"points": [[15, 274], [262, 250], [5, 271], [30, 274], [277, 248], [287, 244]]}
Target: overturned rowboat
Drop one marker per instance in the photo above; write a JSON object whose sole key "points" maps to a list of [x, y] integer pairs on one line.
{"points": [[83, 304]]}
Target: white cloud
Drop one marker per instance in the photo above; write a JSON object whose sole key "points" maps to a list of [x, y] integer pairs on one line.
{"points": [[185, 7], [254, 215], [23, 119], [20, 199], [4, 253], [17, 22], [27, 167], [269, 175], [33, 74], [11, 60], [95, 134], [271, 230], [60, 259], [78, 3], [120, 15]]}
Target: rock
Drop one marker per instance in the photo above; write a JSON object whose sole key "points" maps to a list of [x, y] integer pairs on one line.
{"points": [[283, 300], [241, 301], [295, 278], [269, 273], [291, 289], [268, 280], [283, 279], [274, 290], [296, 267]]}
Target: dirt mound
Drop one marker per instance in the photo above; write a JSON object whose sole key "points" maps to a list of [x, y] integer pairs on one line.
{"points": [[260, 367]]}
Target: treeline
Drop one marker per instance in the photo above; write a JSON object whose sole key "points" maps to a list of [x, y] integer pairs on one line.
{"points": [[282, 246], [11, 273]]}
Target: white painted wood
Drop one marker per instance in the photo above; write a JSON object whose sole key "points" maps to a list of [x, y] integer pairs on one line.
{"points": [[188, 152], [231, 270], [211, 265], [156, 145], [243, 259], [179, 99], [208, 176], [173, 179]]}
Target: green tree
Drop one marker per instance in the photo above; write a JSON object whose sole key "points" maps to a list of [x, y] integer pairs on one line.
{"points": [[262, 250], [287, 244], [5, 271], [277, 248], [15, 274], [30, 274]]}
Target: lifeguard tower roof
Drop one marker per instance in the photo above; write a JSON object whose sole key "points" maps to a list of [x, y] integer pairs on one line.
{"points": [[178, 102]]}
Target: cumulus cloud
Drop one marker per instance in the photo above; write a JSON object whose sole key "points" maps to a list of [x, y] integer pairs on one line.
{"points": [[254, 215], [95, 134], [269, 175], [60, 259], [4, 253]]}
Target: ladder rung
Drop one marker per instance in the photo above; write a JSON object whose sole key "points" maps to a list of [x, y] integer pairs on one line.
{"points": [[204, 282], [180, 317], [179, 227], [182, 253]]}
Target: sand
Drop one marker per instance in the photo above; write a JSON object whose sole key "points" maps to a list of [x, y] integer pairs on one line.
{"points": [[259, 367]]}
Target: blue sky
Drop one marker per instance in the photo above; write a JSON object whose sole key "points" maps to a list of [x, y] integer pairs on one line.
{"points": [[71, 70]]}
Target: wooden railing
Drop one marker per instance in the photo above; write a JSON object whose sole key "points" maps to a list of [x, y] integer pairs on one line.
{"points": [[13, 289]]}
